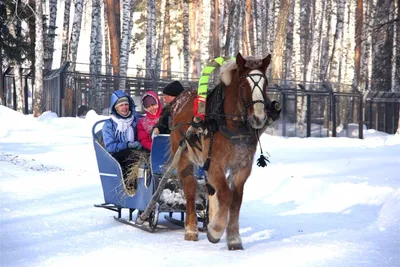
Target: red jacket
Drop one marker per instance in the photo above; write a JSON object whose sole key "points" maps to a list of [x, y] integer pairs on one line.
{"points": [[146, 123]]}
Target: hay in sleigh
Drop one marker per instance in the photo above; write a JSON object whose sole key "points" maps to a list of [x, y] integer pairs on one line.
{"points": [[140, 158]]}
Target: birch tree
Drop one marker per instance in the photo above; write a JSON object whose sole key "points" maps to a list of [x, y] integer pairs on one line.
{"points": [[313, 63], [167, 40], [192, 37], [106, 41], [233, 19], [214, 30], [395, 66], [51, 34], [280, 38], [75, 34], [95, 55], [150, 38], [15, 32], [126, 34], [39, 47], [65, 32], [160, 45], [185, 30], [366, 57]]}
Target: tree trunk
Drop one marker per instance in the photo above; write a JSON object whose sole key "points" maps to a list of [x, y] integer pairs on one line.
{"points": [[160, 45], [39, 47], [107, 42], [280, 38], [231, 48], [192, 37], [95, 57], [75, 34], [51, 34], [2, 98], [214, 30], [200, 38], [113, 16], [65, 32], [313, 62], [337, 48], [127, 17], [394, 83], [357, 56], [185, 30], [150, 38], [167, 41]]}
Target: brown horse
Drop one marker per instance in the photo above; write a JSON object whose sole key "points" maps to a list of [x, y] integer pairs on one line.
{"points": [[237, 111]]}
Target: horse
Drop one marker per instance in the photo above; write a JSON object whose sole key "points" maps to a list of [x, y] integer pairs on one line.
{"points": [[224, 144]]}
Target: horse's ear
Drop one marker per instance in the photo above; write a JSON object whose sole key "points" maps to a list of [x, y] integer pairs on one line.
{"points": [[266, 61], [240, 61]]}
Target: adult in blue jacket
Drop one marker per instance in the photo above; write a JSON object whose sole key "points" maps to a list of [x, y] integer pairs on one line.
{"points": [[120, 131]]}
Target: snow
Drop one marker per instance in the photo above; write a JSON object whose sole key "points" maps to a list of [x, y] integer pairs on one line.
{"points": [[320, 202]]}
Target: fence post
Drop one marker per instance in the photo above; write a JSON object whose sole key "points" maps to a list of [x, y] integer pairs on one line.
{"points": [[333, 115], [62, 86], [26, 98], [360, 120], [283, 113], [15, 93], [308, 115]]}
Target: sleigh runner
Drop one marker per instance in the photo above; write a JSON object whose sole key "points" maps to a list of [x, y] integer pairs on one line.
{"points": [[119, 196]]}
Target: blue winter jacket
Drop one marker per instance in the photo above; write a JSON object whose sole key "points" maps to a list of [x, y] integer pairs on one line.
{"points": [[112, 142]]}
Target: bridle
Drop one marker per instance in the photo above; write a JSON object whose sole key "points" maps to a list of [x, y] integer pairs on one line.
{"points": [[265, 101]]}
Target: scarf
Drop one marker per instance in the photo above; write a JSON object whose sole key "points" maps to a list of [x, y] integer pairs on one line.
{"points": [[124, 130]]}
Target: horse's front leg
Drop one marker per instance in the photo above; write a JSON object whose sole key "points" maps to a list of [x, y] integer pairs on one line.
{"points": [[223, 199], [185, 172], [233, 238]]}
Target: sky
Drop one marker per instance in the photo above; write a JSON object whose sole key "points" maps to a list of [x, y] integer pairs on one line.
{"points": [[320, 202]]}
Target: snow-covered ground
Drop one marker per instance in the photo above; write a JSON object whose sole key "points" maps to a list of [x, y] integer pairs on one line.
{"points": [[321, 202]]}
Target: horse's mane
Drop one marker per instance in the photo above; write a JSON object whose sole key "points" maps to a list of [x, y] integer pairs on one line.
{"points": [[230, 65]]}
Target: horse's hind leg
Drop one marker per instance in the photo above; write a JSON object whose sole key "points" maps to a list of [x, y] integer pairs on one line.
{"points": [[186, 174], [223, 199], [233, 238]]}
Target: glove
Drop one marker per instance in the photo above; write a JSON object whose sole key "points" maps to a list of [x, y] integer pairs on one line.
{"points": [[134, 145], [156, 132]]}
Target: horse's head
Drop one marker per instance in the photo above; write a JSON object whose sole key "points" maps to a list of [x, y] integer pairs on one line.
{"points": [[251, 81]]}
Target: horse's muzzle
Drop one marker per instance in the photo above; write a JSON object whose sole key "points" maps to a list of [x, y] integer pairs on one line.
{"points": [[257, 122]]}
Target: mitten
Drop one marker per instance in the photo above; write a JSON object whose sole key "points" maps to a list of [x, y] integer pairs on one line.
{"points": [[134, 145]]}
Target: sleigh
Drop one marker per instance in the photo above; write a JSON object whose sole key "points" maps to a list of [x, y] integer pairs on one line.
{"points": [[117, 197]]}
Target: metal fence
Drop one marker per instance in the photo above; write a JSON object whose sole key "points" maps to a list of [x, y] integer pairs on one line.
{"points": [[10, 94], [382, 111], [309, 109], [317, 109]]}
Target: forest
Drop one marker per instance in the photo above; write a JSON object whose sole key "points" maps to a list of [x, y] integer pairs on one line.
{"points": [[349, 42]]}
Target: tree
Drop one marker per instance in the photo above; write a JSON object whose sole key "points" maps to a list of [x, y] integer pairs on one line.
{"points": [[185, 30], [39, 51], [14, 46], [65, 32], [114, 25], [280, 37], [127, 25], [49, 45], [359, 34], [95, 56], [150, 37]]}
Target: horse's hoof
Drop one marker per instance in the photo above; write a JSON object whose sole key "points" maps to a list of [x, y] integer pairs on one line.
{"points": [[191, 237], [212, 239], [237, 246]]}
